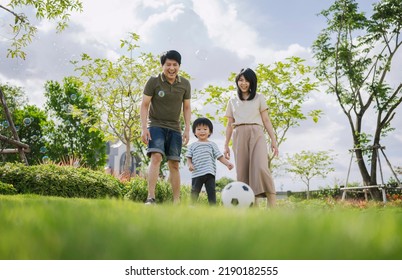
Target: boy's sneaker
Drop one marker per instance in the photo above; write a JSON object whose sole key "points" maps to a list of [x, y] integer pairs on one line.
{"points": [[150, 201]]}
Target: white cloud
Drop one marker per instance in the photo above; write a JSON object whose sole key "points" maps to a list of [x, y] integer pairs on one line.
{"points": [[105, 21], [107, 24], [47, 26], [170, 14], [6, 32], [156, 3], [33, 86], [293, 50], [226, 30], [325, 135]]}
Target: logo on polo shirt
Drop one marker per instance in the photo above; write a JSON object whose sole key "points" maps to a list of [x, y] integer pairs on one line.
{"points": [[161, 93]]}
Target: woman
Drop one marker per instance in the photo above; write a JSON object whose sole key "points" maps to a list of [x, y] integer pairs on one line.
{"points": [[247, 115]]}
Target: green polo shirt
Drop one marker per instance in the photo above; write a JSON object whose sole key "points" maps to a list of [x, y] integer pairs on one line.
{"points": [[167, 101]]}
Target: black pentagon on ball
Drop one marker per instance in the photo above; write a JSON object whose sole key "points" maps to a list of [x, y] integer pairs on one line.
{"points": [[234, 201], [245, 188]]}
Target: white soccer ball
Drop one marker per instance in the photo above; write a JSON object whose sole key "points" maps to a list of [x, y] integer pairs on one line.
{"points": [[237, 194]]}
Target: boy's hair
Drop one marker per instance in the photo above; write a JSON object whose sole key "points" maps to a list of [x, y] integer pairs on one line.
{"points": [[251, 77], [203, 121], [172, 54]]}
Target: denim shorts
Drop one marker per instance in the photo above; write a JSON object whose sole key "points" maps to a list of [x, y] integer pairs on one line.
{"points": [[165, 141]]}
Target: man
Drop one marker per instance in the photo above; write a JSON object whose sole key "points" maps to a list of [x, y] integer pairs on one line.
{"points": [[163, 99]]}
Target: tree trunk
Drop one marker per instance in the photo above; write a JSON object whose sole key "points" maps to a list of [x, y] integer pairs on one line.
{"points": [[369, 179], [373, 176], [362, 166], [12, 127], [127, 160]]}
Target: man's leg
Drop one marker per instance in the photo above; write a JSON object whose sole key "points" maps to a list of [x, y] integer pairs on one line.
{"points": [[173, 153], [153, 173], [174, 178]]}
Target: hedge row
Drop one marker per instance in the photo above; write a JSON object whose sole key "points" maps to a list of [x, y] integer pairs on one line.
{"points": [[55, 180], [68, 181]]}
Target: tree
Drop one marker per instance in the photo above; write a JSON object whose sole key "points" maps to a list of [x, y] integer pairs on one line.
{"points": [[355, 57], [32, 124], [117, 88], [74, 136], [15, 98], [306, 165], [285, 85], [14, 140], [24, 32], [10, 141], [23, 29]]}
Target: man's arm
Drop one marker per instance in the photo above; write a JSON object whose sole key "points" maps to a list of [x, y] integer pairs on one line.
{"points": [[145, 135], [187, 120]]}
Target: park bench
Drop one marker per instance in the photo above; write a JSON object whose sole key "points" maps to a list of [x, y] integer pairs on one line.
{"points": [[368, 189]]}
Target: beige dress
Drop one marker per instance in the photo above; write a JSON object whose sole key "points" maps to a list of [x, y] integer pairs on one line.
{"points": [[249, 144]]}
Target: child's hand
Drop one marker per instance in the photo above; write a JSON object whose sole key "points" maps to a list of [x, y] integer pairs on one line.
{"points": [[230, 166], [191, 167]]}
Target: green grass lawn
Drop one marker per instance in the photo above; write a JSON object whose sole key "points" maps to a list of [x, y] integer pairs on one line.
{"points": [[35, 227]]}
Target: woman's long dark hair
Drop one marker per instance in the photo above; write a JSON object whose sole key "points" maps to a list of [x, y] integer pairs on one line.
{"points": [[251, 77]]}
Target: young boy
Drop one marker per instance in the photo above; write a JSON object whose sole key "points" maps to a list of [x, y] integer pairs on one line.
{"points": [[201, 160]]}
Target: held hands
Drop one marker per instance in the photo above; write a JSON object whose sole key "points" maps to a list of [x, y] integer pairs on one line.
{"points": [[226, 155], [226, 152], [191, 167]]}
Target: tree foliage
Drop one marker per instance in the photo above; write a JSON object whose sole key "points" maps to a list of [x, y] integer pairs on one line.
{"points": [[30, 122], [22, 27], [73, 135], [306, 165], [15, 98], [117, 87], [286, 86], [355, 55]]}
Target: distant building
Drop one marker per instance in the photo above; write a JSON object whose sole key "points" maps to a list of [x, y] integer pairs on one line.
{"points": [[281, 195], [116, 155]]}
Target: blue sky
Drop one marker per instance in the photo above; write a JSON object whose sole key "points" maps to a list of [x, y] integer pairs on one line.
{"points": [[215, 37]]}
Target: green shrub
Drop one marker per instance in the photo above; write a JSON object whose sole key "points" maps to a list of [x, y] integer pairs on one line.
{"points": [[64, 181], [222, 182], [163, 192], [391, 190], [328, 192], [185, 193], [7, 189], [139, 190]]}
